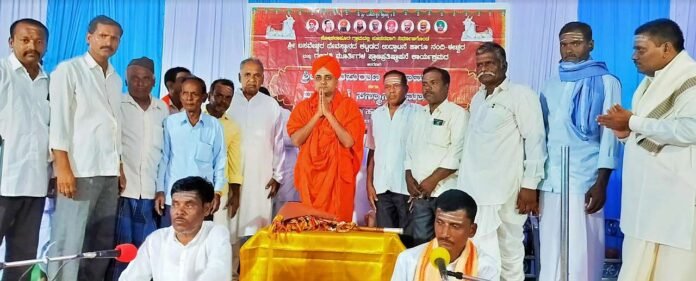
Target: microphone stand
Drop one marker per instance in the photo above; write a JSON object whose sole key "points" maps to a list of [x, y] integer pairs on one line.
{"points": [[46, 260], [461, 276]]}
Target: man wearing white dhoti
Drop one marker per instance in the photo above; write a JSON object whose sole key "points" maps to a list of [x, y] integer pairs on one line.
{"points": [[659, 177], [503, 160], [261, 125], [571, 102]]}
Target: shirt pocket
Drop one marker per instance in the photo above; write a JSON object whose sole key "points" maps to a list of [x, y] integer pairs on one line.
{"points": [[496, 116], [439, 136], [204, 152]]}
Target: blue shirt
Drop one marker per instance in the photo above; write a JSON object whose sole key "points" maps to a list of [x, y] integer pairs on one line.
{"points": [[191, 151], [586, 157]]}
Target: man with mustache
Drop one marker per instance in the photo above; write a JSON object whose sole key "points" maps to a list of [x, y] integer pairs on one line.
{"points": [[24, 116], [454, 227], [261, 125], [433, 152], [328, 128], [658, 202], [172, 81], [190, 249], [571, 102], [386, 139], [193, 146], [503, 160], [142, 150], [85, 136]]}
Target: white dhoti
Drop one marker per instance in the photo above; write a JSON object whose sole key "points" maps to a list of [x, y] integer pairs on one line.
{"points": [[647, 261], [586, 234], [500, 233]]}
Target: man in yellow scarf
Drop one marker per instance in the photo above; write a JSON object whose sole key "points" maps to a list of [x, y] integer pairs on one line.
{"points": [[454, 226]]}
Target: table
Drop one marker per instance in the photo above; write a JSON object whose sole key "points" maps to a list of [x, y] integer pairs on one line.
{"points": [[319, 256]]}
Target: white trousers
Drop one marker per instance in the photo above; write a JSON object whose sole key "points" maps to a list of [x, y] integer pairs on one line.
{"points": [[500, 234], [648, 261], [586, 233]]}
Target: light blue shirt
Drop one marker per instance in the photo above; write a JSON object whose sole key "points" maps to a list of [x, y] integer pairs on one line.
{"points": [[586, 157], [191, 151]]}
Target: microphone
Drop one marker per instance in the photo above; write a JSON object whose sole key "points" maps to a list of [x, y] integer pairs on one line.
{"points": [[439, 258], [123, 253]]}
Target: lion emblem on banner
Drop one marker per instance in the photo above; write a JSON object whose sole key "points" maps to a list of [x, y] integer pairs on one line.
{"points": [[287, 33], [470, 34]]}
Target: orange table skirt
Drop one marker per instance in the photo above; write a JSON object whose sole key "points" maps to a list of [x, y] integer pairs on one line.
{"points": [[319, 256]]}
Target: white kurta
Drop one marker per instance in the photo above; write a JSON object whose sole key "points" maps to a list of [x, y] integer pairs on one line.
{"points": [[262, 158], [406, 263], [659, 190], [504, 148], [287, 191], [163, 257]]}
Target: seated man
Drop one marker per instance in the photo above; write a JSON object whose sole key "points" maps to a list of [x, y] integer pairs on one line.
{"points": [[190, 249], [454, 226]]}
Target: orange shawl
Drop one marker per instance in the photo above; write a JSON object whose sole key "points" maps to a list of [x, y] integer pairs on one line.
{"points": [[467, 263], [325, 170]]}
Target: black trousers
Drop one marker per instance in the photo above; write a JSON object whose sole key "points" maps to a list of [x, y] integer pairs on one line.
{"points": [[419, 227], [20, 221], [392, 209]]}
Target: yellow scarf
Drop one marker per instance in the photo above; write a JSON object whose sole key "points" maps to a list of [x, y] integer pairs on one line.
{"points": [[467, 263]]}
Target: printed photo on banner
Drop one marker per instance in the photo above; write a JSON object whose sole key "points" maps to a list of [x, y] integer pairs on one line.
{"points": [[368, 42]]}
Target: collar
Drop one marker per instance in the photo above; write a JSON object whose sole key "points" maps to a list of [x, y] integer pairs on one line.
{"points": [[677, 60], [403, 105], [504, 86], [91, 63], [127, 98], [439, 108], [193, 241], [183, 118], [205, 110], [16, 64]]}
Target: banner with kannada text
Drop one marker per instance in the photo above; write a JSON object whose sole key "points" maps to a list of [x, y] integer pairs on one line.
{"points": [[370, 40]]}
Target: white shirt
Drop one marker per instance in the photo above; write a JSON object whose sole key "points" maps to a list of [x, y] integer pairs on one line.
{"points": [[658, 198], [387, 136], [287, 190], [85, 108], [407, 263], [142, 145], [262, 157], [505, 147], [24, 113], [436, 141], [163, 258]]}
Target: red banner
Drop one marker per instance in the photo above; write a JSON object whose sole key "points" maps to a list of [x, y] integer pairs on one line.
{"points": [[368, 43]]}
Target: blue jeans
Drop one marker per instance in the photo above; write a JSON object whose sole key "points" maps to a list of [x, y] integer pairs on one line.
{"points": [[135, 221]]}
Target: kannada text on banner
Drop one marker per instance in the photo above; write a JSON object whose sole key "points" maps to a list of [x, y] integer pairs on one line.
{"points": [[369, 42]]}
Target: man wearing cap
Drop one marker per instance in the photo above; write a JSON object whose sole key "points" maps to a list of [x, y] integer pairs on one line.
{"points": [[454, 227], [328, 128], [141, 139]]}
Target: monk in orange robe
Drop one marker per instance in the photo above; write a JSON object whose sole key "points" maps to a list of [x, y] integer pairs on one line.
{"points": [[328, 128]]}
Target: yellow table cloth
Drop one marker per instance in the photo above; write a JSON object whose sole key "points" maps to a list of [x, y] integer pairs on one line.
{"points": [[319, 256]]}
